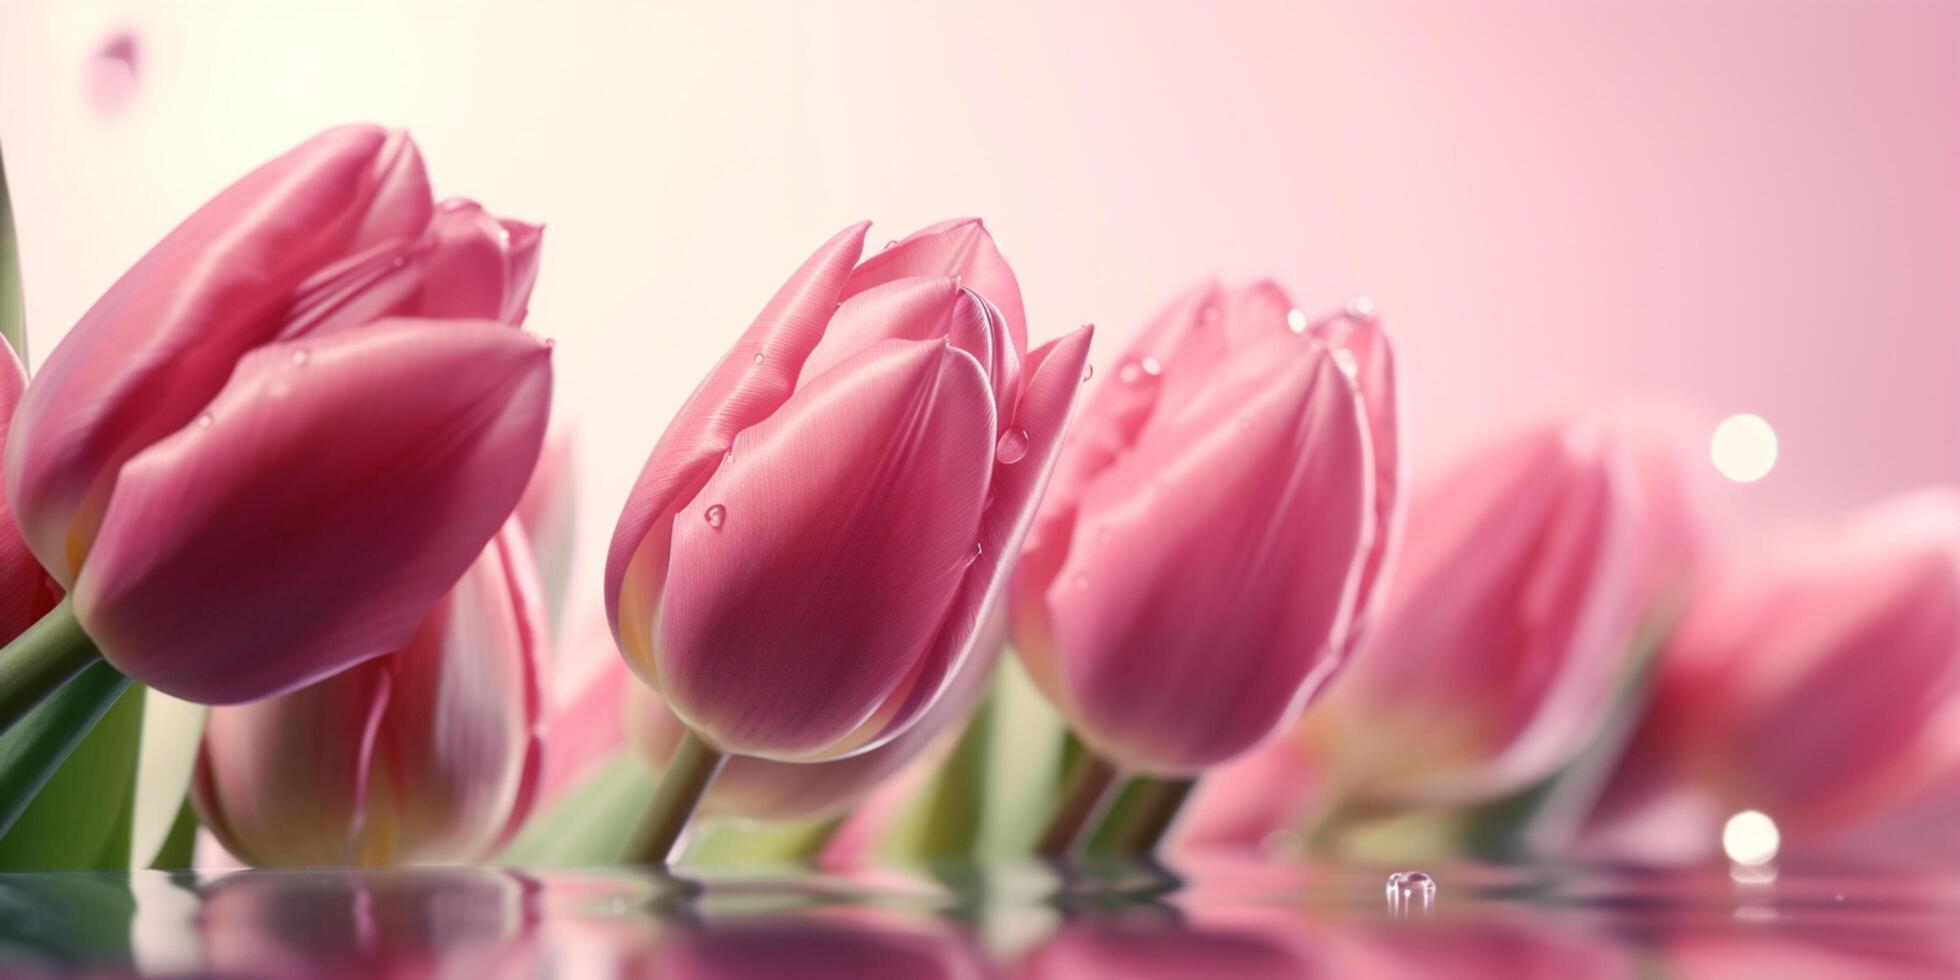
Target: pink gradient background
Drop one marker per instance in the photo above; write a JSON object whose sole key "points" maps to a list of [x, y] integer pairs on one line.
{"points": [[1755, 205]]}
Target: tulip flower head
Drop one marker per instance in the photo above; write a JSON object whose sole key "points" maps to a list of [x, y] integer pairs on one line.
{"points": [[1529, 569], [1817, 679], [289, 427], [804, 565], [428, 754], [1218, 528]]}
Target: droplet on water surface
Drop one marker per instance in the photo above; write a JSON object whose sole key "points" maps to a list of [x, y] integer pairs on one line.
{"points": [[716, 515], [1410, 890], [1012, 447]]}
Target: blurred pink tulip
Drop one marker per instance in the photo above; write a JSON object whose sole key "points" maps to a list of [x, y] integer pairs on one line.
{"points": [[1216, 531], [248, 445], [1530, 568], [1817, 679], [430, 754], [805, 562]]}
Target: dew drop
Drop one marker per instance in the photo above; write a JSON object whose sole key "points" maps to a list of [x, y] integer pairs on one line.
{"points": [[1296, 321], [204, 421], [1410, 891], [1012, 447], [301, 356], [1088, 371], [889, 244], [1151, 366], [1362, 308], [757, 359], [716, 515]]}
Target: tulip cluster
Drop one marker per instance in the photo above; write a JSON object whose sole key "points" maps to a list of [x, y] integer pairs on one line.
{"points": [[294, 465]]}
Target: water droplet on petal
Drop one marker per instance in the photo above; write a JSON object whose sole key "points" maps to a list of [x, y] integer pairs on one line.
{"points": [[1088, 371], [889, 244], [716, 515], [1410, 890], [1012, 447], [1129, 373], [757, 359], [300, 356], [1152, 367], [1361, 308], [1296, 321], [204, 421]]}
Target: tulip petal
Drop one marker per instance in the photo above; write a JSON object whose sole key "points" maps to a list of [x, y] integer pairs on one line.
{"points": [[1055, 383], [851, 515], [247, 788], [157, 347], [1222, 558], [547, 514], [330, 495], [461, 732], [921, 308], [1372, 358], [959, 248], [749, 383]]}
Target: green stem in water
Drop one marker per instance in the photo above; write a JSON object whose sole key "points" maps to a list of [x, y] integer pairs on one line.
{"points": [[1088, 793], [689, 773], [1156, 810], [48, 655]]}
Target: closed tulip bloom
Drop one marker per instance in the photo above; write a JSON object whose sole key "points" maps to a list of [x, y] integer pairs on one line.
{"points": [[26, 590], [1196, 571], [429, 754], [1529, 568], [289, 427], [1817, 679], [804, 565]]}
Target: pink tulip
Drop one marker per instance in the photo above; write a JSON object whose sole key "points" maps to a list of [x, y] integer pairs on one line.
{"points": [[762, 789], [289, 427], [1216, 530], [429, 754], [1817, 679], [1529, 569], [805, 562]]}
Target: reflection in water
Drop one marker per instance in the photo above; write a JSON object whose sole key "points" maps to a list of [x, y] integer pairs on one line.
{"points": [[1240, 921]]}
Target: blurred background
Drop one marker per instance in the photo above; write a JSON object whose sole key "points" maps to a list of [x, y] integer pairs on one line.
{"points": [[1738, 207]]}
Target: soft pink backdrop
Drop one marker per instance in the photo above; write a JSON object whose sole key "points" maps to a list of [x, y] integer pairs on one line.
{"points": [[1755, 205]]}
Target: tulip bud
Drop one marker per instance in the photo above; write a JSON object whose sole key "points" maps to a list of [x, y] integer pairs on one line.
{"points": [[1195, 572], [289, 419], [1817, 679], [429, 754], [804, 564], [1528, 570]]}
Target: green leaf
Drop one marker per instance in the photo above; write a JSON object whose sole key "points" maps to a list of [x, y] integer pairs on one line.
{"points": [[731, 844], [591, 823], [180, 843], [32, 750], [13, 313], [81, 816]]}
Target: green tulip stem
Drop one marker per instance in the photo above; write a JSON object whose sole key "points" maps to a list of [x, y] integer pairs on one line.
{"points": [[689, 773], [1089, 793], [39, 661], [1155, 811]]}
